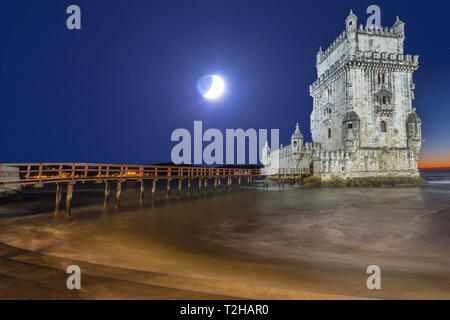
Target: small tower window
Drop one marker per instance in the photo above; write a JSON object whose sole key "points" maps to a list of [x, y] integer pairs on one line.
{"points": [[329, 133], [383, 126], [350, 125], [381, 78]]}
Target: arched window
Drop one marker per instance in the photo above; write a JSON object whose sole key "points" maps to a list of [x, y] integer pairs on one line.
{"points": [[383, 126], [329, 133]]}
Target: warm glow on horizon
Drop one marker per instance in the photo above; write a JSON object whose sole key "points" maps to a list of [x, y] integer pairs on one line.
{"points": [[434, 161]]}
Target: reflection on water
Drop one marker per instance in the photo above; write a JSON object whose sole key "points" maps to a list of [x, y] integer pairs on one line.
{"points": [[299, 238]]}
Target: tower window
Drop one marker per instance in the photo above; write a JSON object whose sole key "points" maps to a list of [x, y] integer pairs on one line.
{"points": [[350, 125], [381, 78], [383, 126], [329, 133]]}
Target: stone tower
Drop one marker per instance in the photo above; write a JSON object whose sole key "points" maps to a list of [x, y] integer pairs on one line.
{"points": [[362, 103], [363, 123]]}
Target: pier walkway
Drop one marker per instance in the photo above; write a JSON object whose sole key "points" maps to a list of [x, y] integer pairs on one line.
{"points": [[66, 175]]}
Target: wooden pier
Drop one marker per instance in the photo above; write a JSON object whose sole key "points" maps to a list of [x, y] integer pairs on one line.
{"points": [[66, 175]]}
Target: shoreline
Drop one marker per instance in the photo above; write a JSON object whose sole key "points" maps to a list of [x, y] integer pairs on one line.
{"points": [[46, 273]]}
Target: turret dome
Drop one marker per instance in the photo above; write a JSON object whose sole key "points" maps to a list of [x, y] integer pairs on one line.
{"points": [[297, 133]]}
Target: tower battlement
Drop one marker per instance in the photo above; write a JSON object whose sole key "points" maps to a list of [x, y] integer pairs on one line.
{"points": [[387, 40]]}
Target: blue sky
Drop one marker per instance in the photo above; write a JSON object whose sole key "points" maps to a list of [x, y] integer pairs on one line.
{"points": [[116, 89]]}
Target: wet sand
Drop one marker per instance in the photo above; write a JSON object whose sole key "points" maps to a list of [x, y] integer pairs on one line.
{"points": [[294, 243]]}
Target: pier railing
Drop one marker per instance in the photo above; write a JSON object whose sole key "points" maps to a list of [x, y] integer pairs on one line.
{"points": [[42, 173]]}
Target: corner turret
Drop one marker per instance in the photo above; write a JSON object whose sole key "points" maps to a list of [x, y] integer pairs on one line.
{"points": [[265, 156], [351, 26], [297, 139], [399, 27]]}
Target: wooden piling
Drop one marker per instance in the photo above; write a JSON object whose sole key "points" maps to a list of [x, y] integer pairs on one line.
{"points": [[118, 193], [142, 191], [107, 194], [189, 186], [200, 185], [215, 184], [168, 188], [154, 189], [59, 191], [180, 185], [69, 193]]}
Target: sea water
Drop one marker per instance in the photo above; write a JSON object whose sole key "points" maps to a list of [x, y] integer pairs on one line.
{"points": [[296, 238]]}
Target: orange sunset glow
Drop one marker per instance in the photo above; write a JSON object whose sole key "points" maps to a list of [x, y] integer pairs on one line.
{"points": [[435, 161]]}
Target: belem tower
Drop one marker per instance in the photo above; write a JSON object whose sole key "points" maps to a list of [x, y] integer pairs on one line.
{"points": [[363, 123]]}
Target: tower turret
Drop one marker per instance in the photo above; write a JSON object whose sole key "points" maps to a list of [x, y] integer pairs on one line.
{"points": [[399, 27], [351, 23], [319, 56], [414, 132], [351, 130], [351, 26], [265, 156], [297, 139]]}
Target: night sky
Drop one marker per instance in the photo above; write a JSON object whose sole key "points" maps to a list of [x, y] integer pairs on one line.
{"points": [[114, 91]]}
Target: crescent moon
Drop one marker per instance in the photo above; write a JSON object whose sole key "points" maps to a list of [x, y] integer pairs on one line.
{"points": [[216, 89]]}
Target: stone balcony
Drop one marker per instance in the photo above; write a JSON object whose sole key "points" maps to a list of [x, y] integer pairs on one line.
{"points": [[385, 109]]}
